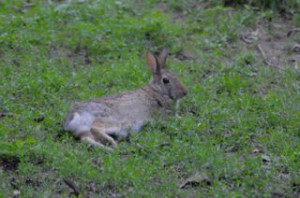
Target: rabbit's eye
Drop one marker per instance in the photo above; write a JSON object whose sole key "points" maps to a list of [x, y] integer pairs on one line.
{"points": [[166, 81]]}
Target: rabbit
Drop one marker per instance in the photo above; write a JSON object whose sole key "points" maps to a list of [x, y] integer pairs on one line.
{"points": [[97, 121]]}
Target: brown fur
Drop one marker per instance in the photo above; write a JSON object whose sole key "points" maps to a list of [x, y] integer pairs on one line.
{"points": [[95, 121]]}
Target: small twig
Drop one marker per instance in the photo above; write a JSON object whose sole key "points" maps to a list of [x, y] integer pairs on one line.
{"points": [[247, 41], [262, 53], [73, 186], [266, 60]]}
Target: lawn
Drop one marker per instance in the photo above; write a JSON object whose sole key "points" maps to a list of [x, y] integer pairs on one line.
{"points": [[236, 134]]}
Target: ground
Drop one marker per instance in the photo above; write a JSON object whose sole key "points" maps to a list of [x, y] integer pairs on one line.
{"points": [[236, 133]]}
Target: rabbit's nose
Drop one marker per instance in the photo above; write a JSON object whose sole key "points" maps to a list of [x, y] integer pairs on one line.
{"points": [[184, 93]]}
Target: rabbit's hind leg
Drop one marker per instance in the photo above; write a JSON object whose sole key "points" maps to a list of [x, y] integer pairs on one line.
{"points": [[99, 132], [88, 137]]}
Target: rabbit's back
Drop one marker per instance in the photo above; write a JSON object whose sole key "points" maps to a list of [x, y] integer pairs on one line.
{"points": [[128, 112]]}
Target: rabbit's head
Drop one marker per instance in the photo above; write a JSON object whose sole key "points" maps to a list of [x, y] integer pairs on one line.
{"points": [[165, 82]]}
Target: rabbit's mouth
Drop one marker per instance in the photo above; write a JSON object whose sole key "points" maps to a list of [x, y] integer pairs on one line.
{"points": [[171, 95], [177, 95]]}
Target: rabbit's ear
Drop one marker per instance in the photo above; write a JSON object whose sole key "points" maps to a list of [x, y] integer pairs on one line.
{"points": [[153, 65], [163, 58], [151, 61]]}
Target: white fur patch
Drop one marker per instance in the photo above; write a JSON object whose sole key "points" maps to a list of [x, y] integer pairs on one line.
{"points": [[130, 129], [81, 122]]}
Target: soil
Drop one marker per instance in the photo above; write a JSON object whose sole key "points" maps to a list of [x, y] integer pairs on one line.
{"points": [[276, 41]]}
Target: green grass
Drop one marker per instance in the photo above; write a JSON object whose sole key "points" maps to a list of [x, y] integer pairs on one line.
{"points": [[239, 125]]}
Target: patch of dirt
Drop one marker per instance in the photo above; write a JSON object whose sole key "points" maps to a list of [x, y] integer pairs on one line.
{"points": [[91, 189], [9, 162], [73, 56], [33, 182], [184, 55], [276, 42]]}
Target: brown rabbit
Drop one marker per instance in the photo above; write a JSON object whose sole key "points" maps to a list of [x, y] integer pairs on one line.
{"points": [[97, 121]]}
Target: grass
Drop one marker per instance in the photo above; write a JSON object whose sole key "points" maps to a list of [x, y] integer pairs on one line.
{"points": [[238, 128]]}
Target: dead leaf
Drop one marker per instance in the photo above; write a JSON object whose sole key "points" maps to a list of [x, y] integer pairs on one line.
{"points": [[257, 150], [199, 179], [293, 31], [184, 55], [73, 186], [16, 193], [265, 158]]}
